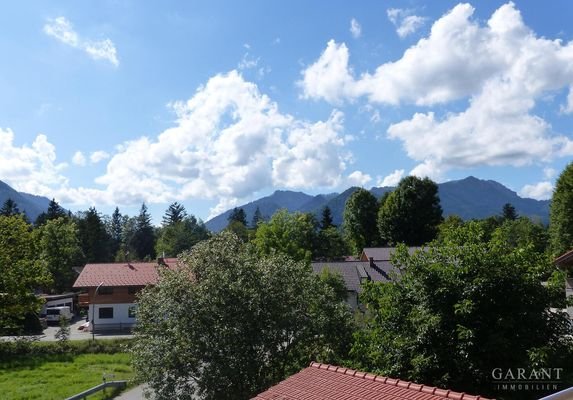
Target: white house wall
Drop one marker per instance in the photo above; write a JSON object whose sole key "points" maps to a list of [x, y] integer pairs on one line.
{"points": [[120, 315]]}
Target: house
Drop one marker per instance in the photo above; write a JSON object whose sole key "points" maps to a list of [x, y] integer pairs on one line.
{"points": [[355, 273], [565, 262], [112, 289], [326, 382], [373, 265], [382, 253]]}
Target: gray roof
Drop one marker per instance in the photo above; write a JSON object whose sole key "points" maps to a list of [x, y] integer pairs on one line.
{"points": [[353, 271], [382, 253]]}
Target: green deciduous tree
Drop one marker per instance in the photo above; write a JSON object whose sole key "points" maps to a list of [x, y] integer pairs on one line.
{"points": [[410, 214], [230, 323], [293, 234], [462, 308], [522, 232], [360, 220], [59, 248], [21, 273], [561, 216]]}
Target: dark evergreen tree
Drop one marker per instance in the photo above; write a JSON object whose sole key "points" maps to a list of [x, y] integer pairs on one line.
{"points": [[508, 212], [411, 214], [143, 239], [239, 215], [257, 217], [175, 213], [54, 211], [115, 230], [9, 208], [326, 221], [94, 239], [561, 216]]}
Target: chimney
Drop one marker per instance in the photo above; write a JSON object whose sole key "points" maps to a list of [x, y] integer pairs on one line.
{"points": [[161, 261], [372, 265]]}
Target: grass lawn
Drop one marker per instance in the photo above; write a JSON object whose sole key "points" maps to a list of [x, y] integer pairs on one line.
{"points": [[58, 376]]}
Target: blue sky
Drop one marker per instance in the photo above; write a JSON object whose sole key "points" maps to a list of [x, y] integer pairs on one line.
{"points": [[217, 103]]}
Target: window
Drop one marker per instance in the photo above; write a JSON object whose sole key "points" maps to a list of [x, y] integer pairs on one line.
{"points": [[106, 312], [131, 311], [105, 290]]}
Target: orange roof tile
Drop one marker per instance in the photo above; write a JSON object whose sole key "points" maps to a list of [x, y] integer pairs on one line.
{"points": [[326, 382], [121, 274]]}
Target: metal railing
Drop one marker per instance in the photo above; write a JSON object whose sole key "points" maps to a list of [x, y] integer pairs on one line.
{"points": [[95, 389]]}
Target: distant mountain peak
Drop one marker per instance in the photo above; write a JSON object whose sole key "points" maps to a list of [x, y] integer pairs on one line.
{"points": [[469, 198]]}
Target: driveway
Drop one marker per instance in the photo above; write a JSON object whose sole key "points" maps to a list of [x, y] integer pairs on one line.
{"points": [[49, 334]]}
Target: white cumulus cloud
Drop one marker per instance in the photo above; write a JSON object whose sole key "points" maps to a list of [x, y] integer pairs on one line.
{"points": [[358, 178], [62, 29], [405, 22], [98, 156], [79, 159], [539, 191], [502, 68], [31, 169], [392, 179], [230, 141], [355, 28]]}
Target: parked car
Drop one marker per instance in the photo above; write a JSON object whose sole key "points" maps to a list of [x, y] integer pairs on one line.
{"points": [[53, 314]]}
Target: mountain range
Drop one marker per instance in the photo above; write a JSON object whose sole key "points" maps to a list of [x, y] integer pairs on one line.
{"points": [[468, 198], [31, 204]]}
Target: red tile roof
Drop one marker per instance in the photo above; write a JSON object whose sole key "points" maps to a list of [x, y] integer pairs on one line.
{"points": [[327, 382], [121, 274]]}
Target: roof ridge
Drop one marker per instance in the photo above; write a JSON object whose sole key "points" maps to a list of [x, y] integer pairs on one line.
{"points": [[445, 393]]}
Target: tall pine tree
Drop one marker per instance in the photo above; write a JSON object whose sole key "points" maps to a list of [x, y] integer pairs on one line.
{"points": [[9, 208], [94, 239], [143, 240], [175, 213]]}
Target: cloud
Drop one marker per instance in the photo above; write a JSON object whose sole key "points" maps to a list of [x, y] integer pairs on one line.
{"points": [[329, 78], [501, 68], [79, 159], [229, 141], [549, 173], [61, 29], [355, 28], [358, 178], [98, 156], [404, 21], [31, 169], [247, 62], [539, 191], [393, 179]]}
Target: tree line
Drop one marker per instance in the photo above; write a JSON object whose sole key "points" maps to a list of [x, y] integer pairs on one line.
{"points": [[41, 257], [246, 310]]}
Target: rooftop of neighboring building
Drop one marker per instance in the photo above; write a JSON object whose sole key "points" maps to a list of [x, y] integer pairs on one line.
{"points": [[326, 382], [122, 274]]}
